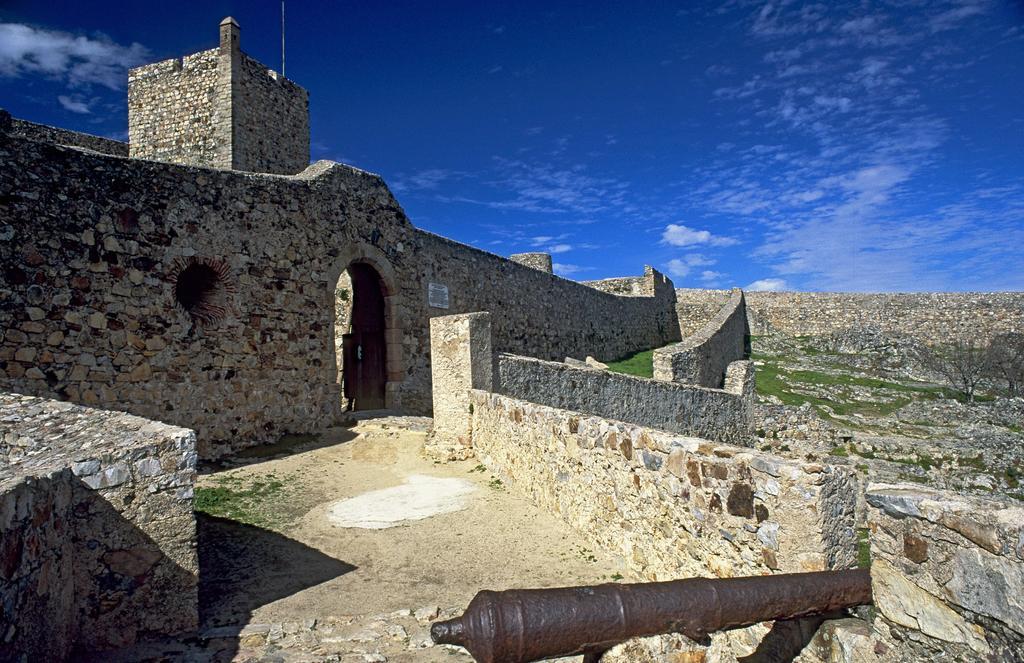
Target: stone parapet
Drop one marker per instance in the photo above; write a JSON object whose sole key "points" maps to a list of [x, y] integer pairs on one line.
{"points": [[671, 506], [947, 575], [97, 531], [703, 357], [715, 414]]}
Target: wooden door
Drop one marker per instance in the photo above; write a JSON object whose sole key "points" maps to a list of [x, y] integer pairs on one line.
{"points": [[363, 350]]}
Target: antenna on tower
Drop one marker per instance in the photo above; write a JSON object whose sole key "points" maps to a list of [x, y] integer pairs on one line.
{"points": [[282, 39]]}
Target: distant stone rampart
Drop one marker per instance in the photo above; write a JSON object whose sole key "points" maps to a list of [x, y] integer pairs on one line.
{"points": [[97, 532], [927, 315]]}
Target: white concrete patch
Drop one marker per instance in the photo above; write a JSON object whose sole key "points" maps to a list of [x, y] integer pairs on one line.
{"points": [[420, 497]]}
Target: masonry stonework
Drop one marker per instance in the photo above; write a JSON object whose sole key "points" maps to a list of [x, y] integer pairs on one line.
{"points": [[91, 310], [97, 533], [928, 315], [703, 357], [538, 261], [714, 414], [461, 360], [41, 132], [947, 575], [671, 506], [213, 109]]}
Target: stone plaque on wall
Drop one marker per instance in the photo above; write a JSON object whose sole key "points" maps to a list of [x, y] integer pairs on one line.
{"points": [[437, 295]]}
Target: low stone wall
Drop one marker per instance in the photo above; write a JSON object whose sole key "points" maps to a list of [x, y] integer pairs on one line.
{"points": [[947, 574], [725, 415], [97, 532], [703, 357], [671, 506], [42, 132]]}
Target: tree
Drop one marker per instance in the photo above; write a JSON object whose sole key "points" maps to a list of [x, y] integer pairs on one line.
{"points": [[1006, 361], [964, 363]]}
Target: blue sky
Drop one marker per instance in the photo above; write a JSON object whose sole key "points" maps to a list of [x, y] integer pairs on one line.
{"points": [[866, 146]]}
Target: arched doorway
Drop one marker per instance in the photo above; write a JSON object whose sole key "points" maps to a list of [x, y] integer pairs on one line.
{"points": [[364, 347]]}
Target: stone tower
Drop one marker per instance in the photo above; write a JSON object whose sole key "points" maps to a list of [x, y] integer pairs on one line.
{"points": [[218, 108]]}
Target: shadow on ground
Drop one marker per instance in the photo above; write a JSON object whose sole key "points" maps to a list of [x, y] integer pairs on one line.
{"points": [[242, 567], [286, 445]]}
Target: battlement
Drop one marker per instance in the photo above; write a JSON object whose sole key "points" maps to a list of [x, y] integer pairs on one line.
{"points": [[214, 108]]}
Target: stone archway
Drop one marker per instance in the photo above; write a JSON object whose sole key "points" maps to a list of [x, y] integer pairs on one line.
{"points": [[374, 271]]}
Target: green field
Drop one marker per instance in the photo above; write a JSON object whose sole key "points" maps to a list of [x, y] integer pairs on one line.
{"points": [[640, 364]]}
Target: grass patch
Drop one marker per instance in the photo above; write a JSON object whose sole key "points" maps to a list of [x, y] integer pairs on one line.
{"points": [[640, 364], [250, 500], [978, 463], [863, 549], [840, 451]]}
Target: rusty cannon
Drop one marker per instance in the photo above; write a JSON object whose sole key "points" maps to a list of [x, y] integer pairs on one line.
{"points": [[520, 625]]}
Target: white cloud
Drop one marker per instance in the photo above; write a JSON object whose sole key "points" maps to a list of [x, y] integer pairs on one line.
{"points": [[74, 104], [564, 269], [767, 285], [680, 235], [709, 275], [680, 267], [952, 18], [425, 180], [559, 248], [75, 59]]}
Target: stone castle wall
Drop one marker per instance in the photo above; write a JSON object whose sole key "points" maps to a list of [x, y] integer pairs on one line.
{"points": [[928, 315], [89, 310], [671, 506], [704, 357], [626, 286], [97, 533], [179, 111], [47, 134]]}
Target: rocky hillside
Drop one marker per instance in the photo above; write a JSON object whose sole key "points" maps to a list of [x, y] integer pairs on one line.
{"points": [[861, 397]]}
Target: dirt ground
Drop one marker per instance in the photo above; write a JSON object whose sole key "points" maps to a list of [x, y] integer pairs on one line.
{"points": [[303, 567]]}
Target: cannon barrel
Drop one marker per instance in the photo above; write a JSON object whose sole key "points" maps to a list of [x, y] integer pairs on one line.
{"points": [[520, 625]]}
